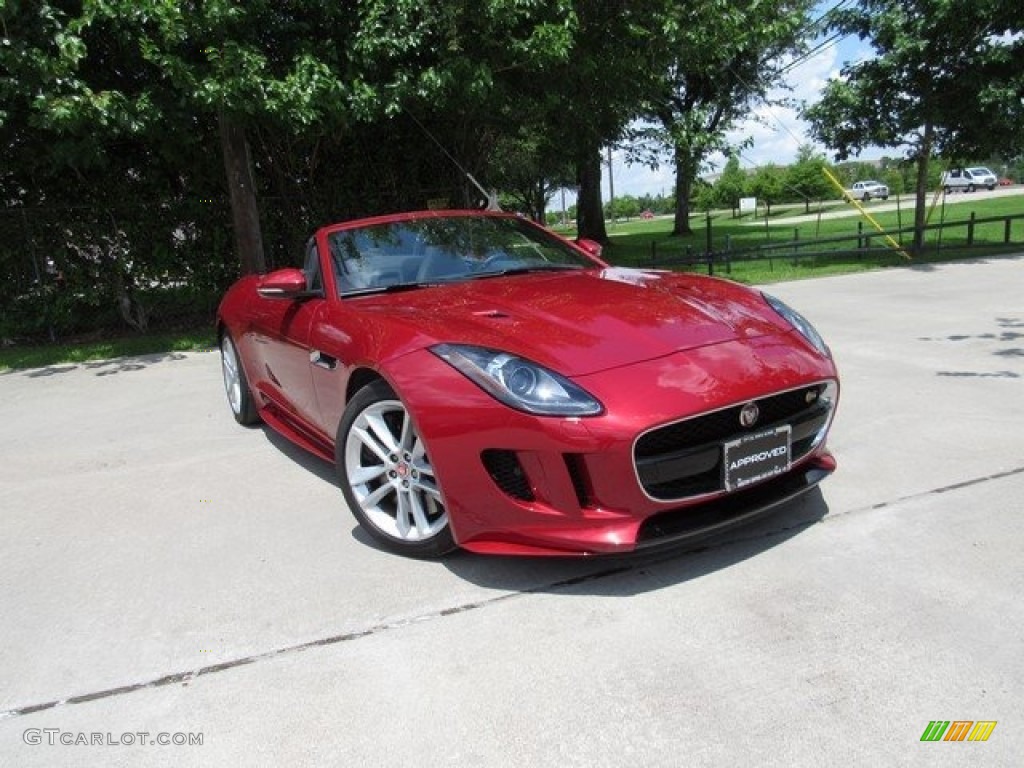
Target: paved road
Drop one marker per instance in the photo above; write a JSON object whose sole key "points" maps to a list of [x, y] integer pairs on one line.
{"points": [[163, 571], [839, 210]]}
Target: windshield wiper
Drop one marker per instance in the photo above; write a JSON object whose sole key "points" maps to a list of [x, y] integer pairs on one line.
{"points": [[398, 287], [393, 288], [526, 270]]}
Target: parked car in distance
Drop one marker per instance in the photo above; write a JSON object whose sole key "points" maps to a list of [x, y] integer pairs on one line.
{"points": [[967, 179], [869, 190], [1005, 182]]}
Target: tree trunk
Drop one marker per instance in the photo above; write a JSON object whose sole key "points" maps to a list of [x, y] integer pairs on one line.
{"points": [[245, 215], [921, 193], [589, 215], [685, 173]]}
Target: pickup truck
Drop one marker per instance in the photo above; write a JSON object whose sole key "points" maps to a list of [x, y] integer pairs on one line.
{"points": [[868, 190]]}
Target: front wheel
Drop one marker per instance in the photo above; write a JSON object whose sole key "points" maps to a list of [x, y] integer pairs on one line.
{"points": [[970, 187], [866, 198], [387, 477]]}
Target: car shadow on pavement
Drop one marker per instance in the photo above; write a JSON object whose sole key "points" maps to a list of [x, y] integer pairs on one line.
{"points": [[625, 575], [312, 464]]}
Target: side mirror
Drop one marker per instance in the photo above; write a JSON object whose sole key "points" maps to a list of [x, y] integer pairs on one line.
{"points": [[287, 283], [590, 246]]}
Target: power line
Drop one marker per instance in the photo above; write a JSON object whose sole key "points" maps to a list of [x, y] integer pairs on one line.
{"points": [[820, 23], [829, 43]]}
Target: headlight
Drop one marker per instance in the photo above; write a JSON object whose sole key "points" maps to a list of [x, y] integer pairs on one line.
{"points": [[799, 322], [519, 383]]}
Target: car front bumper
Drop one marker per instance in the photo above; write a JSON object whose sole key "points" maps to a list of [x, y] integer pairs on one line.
{"points": [[514, 483]]}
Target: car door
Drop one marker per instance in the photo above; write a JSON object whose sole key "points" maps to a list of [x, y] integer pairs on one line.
{"points": [[282, 332], [335, 343]]}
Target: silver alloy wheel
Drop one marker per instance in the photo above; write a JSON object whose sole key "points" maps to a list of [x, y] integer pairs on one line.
{"points": [[232, 379], [390, 475]]}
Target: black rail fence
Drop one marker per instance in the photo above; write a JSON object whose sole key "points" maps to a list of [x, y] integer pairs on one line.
{"points": [[866, 243]]}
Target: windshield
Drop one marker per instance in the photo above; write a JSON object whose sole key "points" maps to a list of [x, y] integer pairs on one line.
{"points": [[980, 172], [443, 249]]}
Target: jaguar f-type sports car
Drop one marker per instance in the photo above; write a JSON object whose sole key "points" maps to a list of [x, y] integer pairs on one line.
{"points": [[480, 382]]}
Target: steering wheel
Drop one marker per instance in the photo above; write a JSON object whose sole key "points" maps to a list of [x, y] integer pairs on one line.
{"points": [[498, 258]]}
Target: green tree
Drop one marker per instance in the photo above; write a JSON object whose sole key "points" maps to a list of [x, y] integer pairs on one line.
{"points": [[947, 79], [724, 56], [806, 177], [76, 161], [703, 196], [767, 186], [162, 73], [617, 57], [731, 185], [530, 168], [624, 207]]}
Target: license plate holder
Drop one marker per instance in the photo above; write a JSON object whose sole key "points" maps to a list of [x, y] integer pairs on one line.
{"points": [[755, 457]]}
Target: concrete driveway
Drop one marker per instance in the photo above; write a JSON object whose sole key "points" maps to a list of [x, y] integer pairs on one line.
{"points": [[168, 576]]}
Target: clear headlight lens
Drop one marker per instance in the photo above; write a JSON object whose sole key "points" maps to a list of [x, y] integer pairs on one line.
{"points": [[519, 383], [799, 322]]}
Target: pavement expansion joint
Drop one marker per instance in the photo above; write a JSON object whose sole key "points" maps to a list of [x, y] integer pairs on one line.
{"points": [[618, 568]]}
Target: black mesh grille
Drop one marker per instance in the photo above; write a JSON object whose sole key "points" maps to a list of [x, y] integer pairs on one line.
{"points": [[724, 424], [684, 459], [505, 469]]}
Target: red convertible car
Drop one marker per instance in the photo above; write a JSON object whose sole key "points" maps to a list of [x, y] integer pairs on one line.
{"points": [[480, 382]]}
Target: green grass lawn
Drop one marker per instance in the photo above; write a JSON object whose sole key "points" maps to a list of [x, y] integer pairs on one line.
{"points": [[54, 354], [642, 243]]}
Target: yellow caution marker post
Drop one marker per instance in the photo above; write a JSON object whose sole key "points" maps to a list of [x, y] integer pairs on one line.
{"points": [[846, 195]]}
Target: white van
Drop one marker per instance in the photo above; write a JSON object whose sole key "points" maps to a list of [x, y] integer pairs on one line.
{"points": [[968, 179]]}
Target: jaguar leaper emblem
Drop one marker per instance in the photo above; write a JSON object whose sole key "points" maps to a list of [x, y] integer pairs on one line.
{"points": [[749, 414]]}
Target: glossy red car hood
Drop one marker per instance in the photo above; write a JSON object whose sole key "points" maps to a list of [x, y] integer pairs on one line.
{"points": [[582, 322]]}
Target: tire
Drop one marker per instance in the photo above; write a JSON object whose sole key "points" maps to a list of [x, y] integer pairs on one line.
{"points": [[243, 407], [386, 476], [970, 187], [947, 189], [886, 197], [866, 198]]}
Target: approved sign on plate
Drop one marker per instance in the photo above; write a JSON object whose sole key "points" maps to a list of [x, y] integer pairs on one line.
{"points": [[756, 457]]}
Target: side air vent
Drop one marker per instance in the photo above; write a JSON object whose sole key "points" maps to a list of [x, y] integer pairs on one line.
{"points": [[506, 471], [578, 474]]}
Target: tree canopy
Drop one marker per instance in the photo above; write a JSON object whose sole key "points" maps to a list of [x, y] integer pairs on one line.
{"points": [[946, 79], [145, 135], [724, 56]]}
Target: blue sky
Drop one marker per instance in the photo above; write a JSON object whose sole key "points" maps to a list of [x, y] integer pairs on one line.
{"points": [[777, 134]]}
